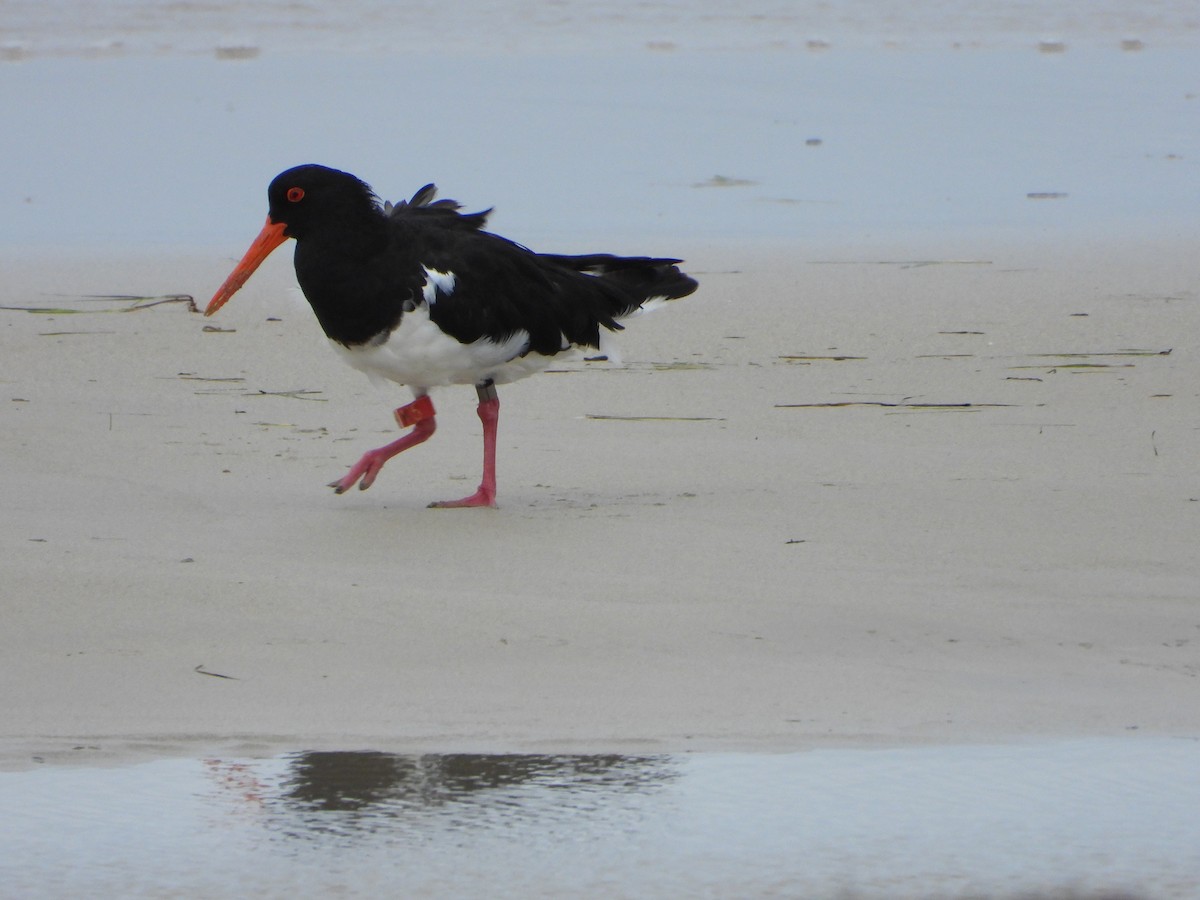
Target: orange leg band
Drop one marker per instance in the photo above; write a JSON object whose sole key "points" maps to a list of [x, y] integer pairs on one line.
{"points": [[417, 411]]}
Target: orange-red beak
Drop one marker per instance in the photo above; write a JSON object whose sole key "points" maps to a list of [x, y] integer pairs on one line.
{"points": [[268, 239]]}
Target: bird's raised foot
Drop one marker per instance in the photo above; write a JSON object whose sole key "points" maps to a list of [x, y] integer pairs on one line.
{"points": [[366, 468], [369, 466], [482, 497]]}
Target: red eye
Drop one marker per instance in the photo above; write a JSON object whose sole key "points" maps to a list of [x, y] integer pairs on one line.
{"points": [[295, 194]]}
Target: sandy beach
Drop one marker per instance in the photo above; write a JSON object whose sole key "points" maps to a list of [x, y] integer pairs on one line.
{"points": [[902, 496]]}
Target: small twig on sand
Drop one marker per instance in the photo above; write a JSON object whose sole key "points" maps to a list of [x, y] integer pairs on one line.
{"points": [[203, 671], [295, 395]]}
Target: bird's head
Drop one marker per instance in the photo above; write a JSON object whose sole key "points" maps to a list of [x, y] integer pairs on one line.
{"points": [[301, 200], [308, 197]]}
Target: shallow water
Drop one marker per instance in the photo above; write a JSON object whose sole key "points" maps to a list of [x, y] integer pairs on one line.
{"points": [[1086, 816], [674, 148]]}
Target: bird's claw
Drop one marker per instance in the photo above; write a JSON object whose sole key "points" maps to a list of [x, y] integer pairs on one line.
{"points": [[481, 497], [366, 469]]}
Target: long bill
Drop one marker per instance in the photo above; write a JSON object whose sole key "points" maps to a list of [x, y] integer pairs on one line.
{"points": [[268, 239]]}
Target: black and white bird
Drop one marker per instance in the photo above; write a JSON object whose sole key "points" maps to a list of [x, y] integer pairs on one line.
{"points": [[420, 294]]}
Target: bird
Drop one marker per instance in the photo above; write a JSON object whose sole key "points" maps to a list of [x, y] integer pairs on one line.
{"points": [[420, 293]]}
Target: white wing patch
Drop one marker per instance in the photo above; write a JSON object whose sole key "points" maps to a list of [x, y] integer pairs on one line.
{"points": [[436, 281]]}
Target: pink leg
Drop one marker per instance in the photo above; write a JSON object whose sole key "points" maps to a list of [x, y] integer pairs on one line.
{"points": [[420, 415], [489, 415]]}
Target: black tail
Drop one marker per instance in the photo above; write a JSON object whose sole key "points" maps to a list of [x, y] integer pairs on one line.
{"points": [[638, 278]]}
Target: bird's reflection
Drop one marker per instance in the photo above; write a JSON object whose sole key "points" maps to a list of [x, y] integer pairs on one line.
{"points": [[347, 793]]}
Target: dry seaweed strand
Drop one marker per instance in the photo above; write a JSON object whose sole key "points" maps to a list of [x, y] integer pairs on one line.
{"points": [[830, 404], [135, 303]]}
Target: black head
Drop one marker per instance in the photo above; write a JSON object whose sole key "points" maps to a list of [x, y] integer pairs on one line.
{"points": [[309, 197]]}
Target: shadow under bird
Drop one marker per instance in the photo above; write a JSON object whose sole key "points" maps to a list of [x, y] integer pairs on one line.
{"points": [[419, 293]]}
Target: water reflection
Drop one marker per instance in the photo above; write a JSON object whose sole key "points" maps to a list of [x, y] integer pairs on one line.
{"points": [[346, 792], [353, 780], [1085, 819]]}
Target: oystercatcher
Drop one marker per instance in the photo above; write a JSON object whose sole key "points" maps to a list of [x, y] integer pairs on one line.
{"points": [[421, 294]]}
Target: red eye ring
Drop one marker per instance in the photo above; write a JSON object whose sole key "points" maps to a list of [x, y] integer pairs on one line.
{"points": [[295, 194]]}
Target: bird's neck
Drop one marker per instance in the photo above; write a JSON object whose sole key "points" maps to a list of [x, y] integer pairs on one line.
{"points": [[340, 274]]}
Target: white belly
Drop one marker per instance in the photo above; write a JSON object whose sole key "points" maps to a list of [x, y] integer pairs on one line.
{"points": [[421, 355]]}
